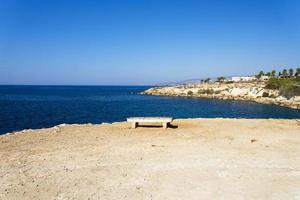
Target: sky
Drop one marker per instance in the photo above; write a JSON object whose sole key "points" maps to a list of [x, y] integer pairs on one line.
{"points": [[144, 42]]}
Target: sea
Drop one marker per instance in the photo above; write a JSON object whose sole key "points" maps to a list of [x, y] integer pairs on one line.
{"points": [[32, 107]]}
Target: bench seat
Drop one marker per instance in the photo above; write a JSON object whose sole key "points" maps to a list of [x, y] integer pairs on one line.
{"points": [[136, 120]]}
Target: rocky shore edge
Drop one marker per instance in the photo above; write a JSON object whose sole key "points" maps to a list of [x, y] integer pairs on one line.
{"points": [[254, 91]]}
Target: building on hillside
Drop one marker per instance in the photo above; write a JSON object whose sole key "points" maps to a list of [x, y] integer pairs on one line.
{"points": [[243, 78]]}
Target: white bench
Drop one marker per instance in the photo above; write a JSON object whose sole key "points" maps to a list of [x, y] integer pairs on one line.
{"points": [[136, 120]]}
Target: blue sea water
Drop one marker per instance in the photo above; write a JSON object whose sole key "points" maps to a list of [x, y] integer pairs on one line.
{"points": [[25, 107]]}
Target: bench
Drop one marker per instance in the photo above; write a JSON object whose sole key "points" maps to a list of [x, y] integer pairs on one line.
{"points": [[136, 120]]}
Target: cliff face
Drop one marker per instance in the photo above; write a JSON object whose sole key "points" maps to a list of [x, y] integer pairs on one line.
{"points": [[249, 91]]}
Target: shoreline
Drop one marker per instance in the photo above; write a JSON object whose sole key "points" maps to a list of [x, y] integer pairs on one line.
{"points": [[30, 130], [249, 91], [259, 101]]}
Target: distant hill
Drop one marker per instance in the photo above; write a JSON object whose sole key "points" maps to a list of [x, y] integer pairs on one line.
{"points": [[189, 81], [180, 82]]}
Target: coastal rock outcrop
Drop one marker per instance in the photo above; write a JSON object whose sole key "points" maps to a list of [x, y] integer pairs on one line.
{"points": [[248, 91]]}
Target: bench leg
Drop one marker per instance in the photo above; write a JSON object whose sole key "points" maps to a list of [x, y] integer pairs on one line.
{"points": [[134, 125], [165, 125]]}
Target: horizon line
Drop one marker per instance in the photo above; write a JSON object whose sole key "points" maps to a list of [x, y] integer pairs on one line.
{"points": [[72, 85]]}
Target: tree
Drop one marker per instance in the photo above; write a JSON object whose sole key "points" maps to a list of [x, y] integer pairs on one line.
{"points": [[297, 72], [260, 74], [284, 72], [221, 79], [207, 80], [279, 74], [273, 73], [268, 74], [291, 72]]}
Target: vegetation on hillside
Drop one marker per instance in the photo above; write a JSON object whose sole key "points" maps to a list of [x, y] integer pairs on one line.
{"points": [[207, 91], [221, 79], [261, 76], [287, 87], [283, 74]]}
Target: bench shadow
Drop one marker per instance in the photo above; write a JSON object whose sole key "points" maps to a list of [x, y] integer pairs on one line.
{"points": [[172, 126], [157, 126]]}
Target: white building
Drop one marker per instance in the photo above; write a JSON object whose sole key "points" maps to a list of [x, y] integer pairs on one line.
{"points": [[243, 78]]}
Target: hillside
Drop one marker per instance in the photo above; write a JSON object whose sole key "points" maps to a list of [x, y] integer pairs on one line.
{"points": [[257, 91]]}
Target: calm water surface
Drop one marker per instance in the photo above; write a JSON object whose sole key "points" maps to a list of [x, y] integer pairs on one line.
{"points": [[24, 107]]}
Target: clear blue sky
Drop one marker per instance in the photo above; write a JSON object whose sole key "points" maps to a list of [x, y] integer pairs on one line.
{"points": [[144, 42]]}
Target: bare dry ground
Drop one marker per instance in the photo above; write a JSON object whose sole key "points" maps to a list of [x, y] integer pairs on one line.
{"points": [[201, 159]]}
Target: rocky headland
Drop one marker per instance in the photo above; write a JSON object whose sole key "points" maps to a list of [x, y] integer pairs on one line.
{"points": [[248, 91]]}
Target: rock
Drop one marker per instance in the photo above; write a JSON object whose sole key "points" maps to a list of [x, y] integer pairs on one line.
{"points": [[62, 125], [249, 91]]}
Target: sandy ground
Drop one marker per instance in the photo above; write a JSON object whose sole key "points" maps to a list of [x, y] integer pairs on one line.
{"points": [[200, 159]]}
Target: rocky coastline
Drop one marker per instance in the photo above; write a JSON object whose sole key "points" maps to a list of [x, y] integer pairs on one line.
{"points": [[245, 91]]}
